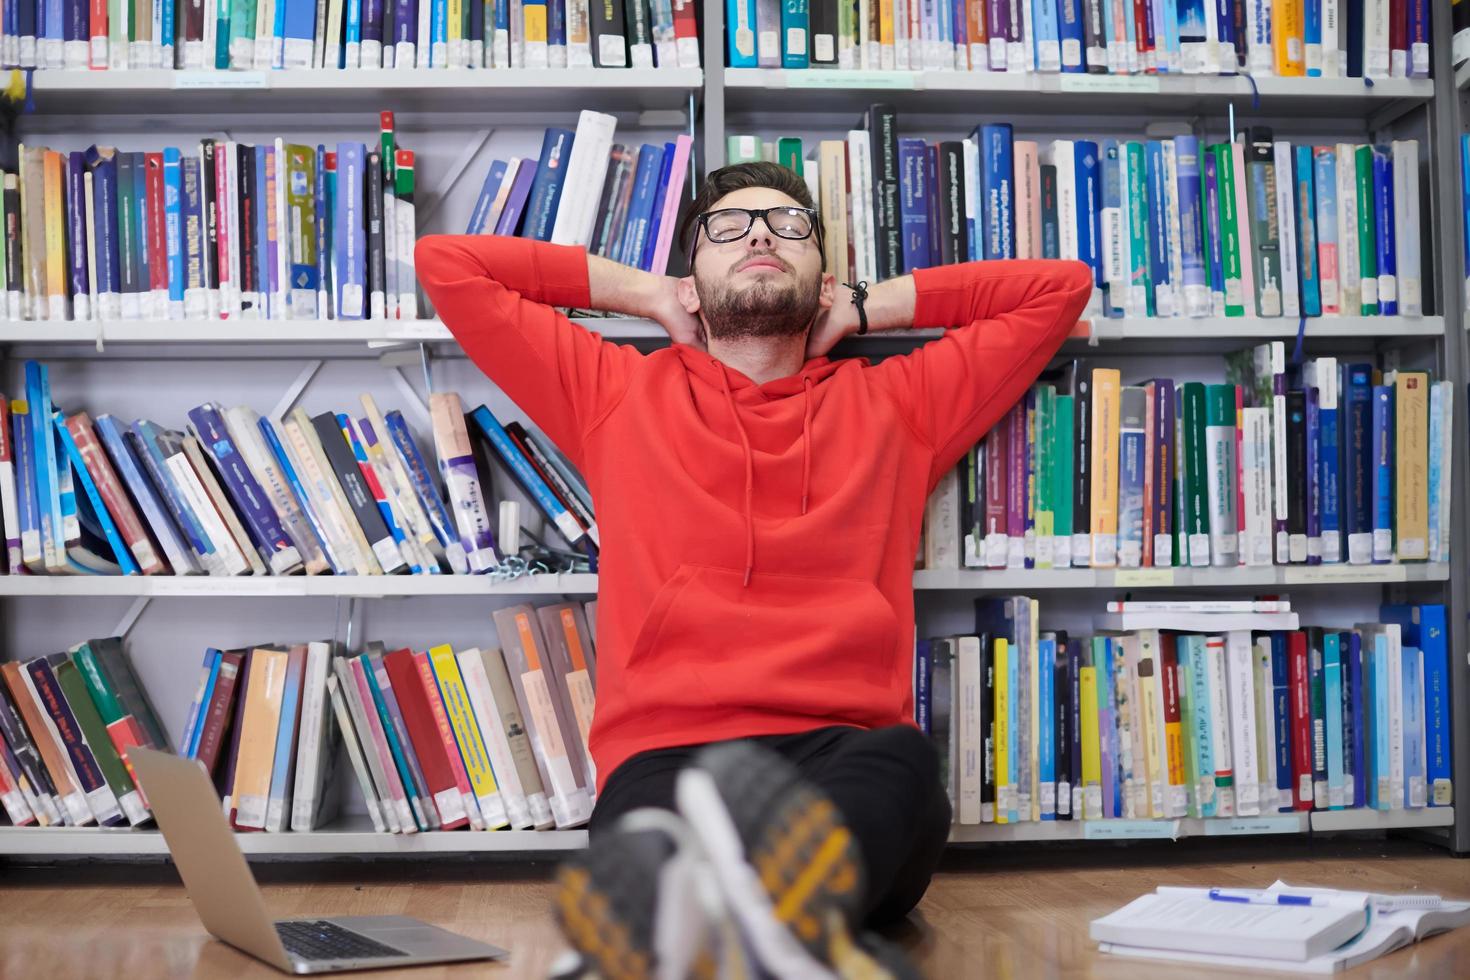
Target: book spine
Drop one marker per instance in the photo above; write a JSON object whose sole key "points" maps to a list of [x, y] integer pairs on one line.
{"points": [[1308, 244]]}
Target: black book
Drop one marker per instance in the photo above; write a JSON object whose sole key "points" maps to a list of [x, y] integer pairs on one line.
{"points": [[943, 726], [377, 267], [953, 238], [618, 161], [127, 221], [14, 263], [882, 127], [1296, 463], [609, 38], [245, 180], [344, 465], [208, 191], [225, 775], [1075, 656], [1062, 725], [1082, 461], [1094, 37], [475, 11], [987, 728], [1051, 247], [640, 33], [931, 201], [1353, 18], [823, 46]]}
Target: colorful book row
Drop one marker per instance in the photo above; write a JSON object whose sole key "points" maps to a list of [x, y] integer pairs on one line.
{"points": [[1324, 463], [243, 495], [1155, 724], [1171, 228], [1292, 38], [203, 35]]}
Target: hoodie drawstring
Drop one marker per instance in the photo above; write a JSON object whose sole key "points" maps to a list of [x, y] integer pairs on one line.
{"points": [[749, 479], [806, 441]]}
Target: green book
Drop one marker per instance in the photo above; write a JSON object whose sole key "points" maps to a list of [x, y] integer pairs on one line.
{"points": [[1229, 231], [1196, 487], [98, 687], [69, 678], [1062, 441], [1367, 232], [113, 664], [1140, 281], [242, 34], [742, 149], [788, 153], [1265, 222], [1045, 506], [1222, 473]]}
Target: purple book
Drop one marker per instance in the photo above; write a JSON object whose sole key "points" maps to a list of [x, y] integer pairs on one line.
{"points": [[405, 23], [372, 24], [1314, 483], [260, 519], [998, 21], [1106, 733], [1028, 460], [1016, 494], [76, 234], [1163, 525], [99, 796], [1016, 28], [515, 201]]}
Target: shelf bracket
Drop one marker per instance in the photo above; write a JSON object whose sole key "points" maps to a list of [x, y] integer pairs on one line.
{"points": [[293, 392], [130, 618], [456, 171], [415, 401]]}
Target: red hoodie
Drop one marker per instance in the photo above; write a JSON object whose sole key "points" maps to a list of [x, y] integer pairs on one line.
{"points": [[758, 541]]}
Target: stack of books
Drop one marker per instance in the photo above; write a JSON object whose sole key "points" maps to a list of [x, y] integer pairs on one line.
{"points": [[1313, 38], [207, 35], [1324, 463], [1170, 227], [66, 724], [619, 201], [1187, 709], [238, 494], [438, 739]]}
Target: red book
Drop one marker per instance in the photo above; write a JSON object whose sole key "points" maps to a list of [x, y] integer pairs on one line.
{"points": [[446, 737], [995, 496], [157, 226], [1398, 38], [114, 497], [220, 710], [686, 36], [223, 192], [1300, 692], [418, 717], [97, 29], [126, 733]]}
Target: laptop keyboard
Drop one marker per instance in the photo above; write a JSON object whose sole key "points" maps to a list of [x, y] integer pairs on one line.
{"points": [[327, 941]]}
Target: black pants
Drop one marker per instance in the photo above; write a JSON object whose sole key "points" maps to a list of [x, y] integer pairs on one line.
{"points": [[884, 782]]}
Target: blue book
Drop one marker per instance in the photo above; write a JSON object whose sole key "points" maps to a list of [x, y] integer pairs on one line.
{"points": [[1326, 466], [794, 25], [73, 459], [359, 454], [438, 39], [922, 672], [526, 475], [114, 438], [1314, 475], [1281, 709], [1193, 291], [556, 24], [481, 214], [283, 460], [209, 668], [298, 29], [265, 266], [1071, 34], [351, 31], [1169, 43], [349, 259], [140, 223], [1115, 285], [1382, 473], [1332, 701], [1354, 722], [1465, 202], [199, 714], [660, 194], [1214, 236], [1158, 229], [1312, 35], [173, 211], [1324, 181], [1045, 667], [1383, 221], [1438, 418], [640, 208], [1424, 627], [1089, 206], [424, 489], [153, 446], [1225, 32], [278, 36], [76, 235], [28, 513], [1413, 708], [48, 494], [1305, 199], [996, 189], [551, 171], [1199, 673], [1045, 35], [258, 516], [913, 189], [104, 222], [740, 33], [1378, 788], [1131, 29], [1357, 462], [324, 215], [283, 765]]}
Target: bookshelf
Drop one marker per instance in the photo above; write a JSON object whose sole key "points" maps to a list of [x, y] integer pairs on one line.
{"points": [[117, 365]]}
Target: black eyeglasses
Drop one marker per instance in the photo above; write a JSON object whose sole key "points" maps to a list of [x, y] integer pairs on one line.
{"points": [[728, 225]]}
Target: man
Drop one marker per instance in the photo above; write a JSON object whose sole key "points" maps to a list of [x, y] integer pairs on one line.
{"points": [[760, 506]]}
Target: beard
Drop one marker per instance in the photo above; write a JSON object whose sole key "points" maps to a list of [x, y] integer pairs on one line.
{"points": [[762, 309]]}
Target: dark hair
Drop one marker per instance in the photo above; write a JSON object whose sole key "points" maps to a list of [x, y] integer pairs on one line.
{"points": [[738, 177]]}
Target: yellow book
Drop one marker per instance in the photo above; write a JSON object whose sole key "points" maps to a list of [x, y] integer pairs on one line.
{"points": [[887, 50], [1107, 391], [467, 736], [1091, 759], [56, 264], [1411, 466], [1151, 800], [1176, 804], [832, 171], [1004, 801], [455, 34], [1288, 29], [261, 718]]}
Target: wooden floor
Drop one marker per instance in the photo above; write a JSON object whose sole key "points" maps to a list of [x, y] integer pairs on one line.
{"points": [[999, 914]]}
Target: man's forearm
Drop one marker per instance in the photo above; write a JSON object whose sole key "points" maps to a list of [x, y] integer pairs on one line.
{"points": [[889, 306], [617, 288]]}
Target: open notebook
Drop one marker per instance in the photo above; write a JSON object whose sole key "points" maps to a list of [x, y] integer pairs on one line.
{"points": [[1293, 938]]}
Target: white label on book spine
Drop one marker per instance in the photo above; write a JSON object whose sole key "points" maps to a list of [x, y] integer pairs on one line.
{"points": [[450, 805], [1092, 800], [250, 810], [1081, 550], [1382, 544]]}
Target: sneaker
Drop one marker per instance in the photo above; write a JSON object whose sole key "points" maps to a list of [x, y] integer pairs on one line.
{"points": [[643, 903], [790, 869]]}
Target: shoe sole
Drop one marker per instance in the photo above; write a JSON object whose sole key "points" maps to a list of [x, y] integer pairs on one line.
{"points": [[790, 867]]}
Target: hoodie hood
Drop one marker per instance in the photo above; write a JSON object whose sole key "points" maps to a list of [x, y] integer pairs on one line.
{"points": [[740, 393]]}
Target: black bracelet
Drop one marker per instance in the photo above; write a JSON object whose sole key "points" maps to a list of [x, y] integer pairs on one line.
{"points": [[859, 295]]}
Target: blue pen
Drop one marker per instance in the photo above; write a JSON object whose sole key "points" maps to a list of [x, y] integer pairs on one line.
{"points": [[1261, 898]]}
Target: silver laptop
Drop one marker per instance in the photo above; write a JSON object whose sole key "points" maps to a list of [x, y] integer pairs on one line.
{"points": [[228, 900]]}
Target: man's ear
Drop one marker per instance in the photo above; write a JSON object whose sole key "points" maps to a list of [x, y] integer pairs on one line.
{"points": [[688, 295], [828, 291]]}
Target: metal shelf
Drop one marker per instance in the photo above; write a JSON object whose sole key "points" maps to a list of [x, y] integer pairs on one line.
{"points": [[561, 90], [812, 90], [1270, 823]]}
